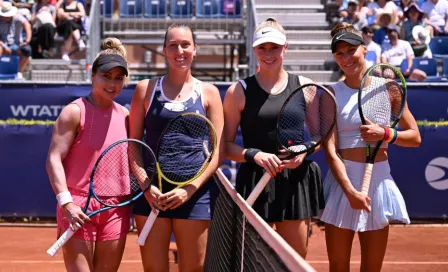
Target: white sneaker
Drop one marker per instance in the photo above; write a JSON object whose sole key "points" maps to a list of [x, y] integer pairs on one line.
{"points": [[65, 57], [19, 76], [81, 45]]}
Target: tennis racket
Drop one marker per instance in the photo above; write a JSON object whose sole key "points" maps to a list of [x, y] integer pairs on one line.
{"points": [[306, 119], [184, 151], [381, 99], [124, 170]]}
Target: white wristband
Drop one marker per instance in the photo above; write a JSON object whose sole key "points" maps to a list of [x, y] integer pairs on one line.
{"points": [[64, 198]]}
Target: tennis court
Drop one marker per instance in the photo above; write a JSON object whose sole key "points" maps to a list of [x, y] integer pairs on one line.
{"points": [[411, 248]]}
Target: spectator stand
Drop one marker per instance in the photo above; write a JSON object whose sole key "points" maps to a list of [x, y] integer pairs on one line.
{"points": [[218, 25]]}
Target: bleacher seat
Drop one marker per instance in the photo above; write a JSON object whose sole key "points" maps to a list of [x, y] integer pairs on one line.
{"points": [[106, 8], [181, 8], [207, 8], [439, 47], [445, 68], [429, 66], [155, 8], [231, 8], [130, 8], [9, 67]]}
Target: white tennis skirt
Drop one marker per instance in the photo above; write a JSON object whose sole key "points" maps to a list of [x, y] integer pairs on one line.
{"points": [[387, 203]]}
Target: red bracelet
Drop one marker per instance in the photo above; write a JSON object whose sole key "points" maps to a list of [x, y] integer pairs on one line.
{"points": [[386, 134]]}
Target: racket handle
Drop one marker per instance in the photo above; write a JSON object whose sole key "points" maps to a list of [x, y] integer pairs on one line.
{"points": [[258, 188], [141, 240], [60, 242], [366, 179]]}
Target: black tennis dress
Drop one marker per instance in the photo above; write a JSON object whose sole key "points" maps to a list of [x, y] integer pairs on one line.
{"points": [[295, 193]]}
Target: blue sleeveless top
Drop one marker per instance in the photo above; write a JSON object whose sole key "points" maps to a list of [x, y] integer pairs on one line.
{"points": [[161, 111]]}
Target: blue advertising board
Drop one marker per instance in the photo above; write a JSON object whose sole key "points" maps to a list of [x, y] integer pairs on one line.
{"points": [[421, 173]]}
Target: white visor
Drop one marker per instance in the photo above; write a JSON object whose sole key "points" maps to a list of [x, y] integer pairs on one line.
{"points": [[268, 35]]}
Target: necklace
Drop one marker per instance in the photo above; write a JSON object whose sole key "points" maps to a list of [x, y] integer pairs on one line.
{"points": [[274, 90]]}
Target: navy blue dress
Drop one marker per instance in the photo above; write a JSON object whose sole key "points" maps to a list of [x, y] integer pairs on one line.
{"points": [[161, 111]]}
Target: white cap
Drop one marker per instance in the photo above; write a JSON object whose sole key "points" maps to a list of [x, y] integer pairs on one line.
{"points": [[268, 34]]}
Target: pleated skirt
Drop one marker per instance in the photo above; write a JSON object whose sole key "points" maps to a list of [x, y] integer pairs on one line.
{"points": [[387, 203], [294, 194]]}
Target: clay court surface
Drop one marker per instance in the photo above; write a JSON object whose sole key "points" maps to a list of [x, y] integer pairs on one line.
{"points": [[411, 248]]}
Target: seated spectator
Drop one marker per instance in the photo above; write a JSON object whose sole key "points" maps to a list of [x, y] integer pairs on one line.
{"points": [[436, 13], [354, 17], [342, 8], [367, 34], [70, 14], [398, 50], [414, 18], [12, 24], [44, 28], [381, 6], [384, 18], [23, 7], [402, 7], [361, 8]]}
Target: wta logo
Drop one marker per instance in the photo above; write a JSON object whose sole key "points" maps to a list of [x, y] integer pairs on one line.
{"points": [[436, 173]]}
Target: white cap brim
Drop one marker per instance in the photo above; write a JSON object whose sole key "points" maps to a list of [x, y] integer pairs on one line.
{"points": [[268, 35]]}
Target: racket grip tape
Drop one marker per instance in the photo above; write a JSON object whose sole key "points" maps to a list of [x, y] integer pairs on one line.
{"points": [[60, 242], [141, 240], [366, 179], [258, 188]]}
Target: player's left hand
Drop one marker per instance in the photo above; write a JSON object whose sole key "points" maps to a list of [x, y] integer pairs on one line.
{"points": [[371, 132], [293, 162], [176, 197]]}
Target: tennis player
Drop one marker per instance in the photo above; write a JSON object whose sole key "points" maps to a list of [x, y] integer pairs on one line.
{"points": [[345, 155], [84, 129], [295, 193], [186, 211]]}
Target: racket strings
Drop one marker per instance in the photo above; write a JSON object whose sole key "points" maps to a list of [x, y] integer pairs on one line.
{"points": [[124, 171], [184, 148], [381, 100], [297, 131]]}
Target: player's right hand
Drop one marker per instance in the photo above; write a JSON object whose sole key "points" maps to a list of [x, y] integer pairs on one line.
{"points": [[359, 201], [75, 216], [152, 195], [270, 162]]}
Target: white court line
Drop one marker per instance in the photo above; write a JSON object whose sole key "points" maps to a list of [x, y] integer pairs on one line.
{"points": [[139, 261]]}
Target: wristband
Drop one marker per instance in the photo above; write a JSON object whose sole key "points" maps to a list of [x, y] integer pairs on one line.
{"points": [[250, 153], [394, 137], [64, 198], [310, 147]]}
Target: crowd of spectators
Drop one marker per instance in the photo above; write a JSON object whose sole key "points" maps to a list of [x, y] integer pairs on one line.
{"points": [[29, 29], [395, 31]]}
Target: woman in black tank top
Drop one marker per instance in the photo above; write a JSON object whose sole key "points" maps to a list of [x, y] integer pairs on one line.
{"points": [[294, 195]]}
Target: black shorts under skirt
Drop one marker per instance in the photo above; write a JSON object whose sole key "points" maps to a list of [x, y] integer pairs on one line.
{"points": [[294, 194]]}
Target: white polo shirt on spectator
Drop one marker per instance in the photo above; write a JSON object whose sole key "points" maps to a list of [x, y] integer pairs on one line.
{"points": [[437, 13], [396, 54], [373, 46]]}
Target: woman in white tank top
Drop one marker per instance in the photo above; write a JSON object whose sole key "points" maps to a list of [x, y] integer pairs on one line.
{"points": [[347, 211]]}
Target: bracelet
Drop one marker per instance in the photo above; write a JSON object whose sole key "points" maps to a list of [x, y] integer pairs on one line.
{"points": [[386, 134], [250, 153], [64, 198]]}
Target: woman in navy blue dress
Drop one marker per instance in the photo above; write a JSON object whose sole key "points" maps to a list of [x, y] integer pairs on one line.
{"points": [[185, 211]]}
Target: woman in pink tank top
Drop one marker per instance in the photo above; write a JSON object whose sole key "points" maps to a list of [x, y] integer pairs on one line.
{"points": [[84, 129]]}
